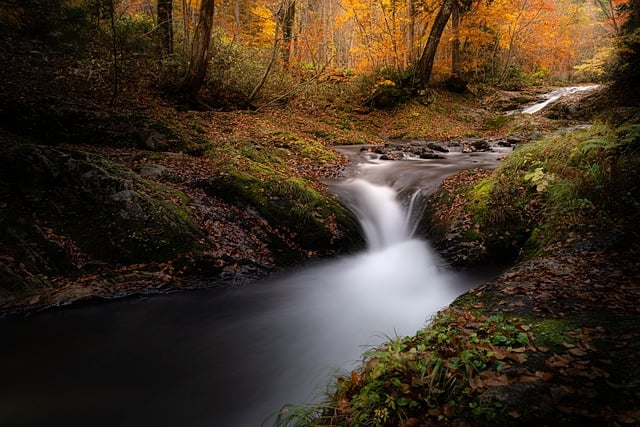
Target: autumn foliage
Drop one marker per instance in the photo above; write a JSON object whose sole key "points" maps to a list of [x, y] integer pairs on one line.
{"points": [[492, 41], [495, 39]]}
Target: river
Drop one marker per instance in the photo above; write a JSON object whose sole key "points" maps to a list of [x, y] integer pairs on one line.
{"points": [[233, 357]]}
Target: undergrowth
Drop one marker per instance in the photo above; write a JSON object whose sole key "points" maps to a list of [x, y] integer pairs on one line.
{"points": [[572, 182], [420, 379]]}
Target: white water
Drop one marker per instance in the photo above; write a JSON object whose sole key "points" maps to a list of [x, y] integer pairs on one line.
{"points": [[383, 220], [227, 357], [554, 95]]}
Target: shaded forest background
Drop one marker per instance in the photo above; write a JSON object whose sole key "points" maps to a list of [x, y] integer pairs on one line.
{"points": [[250, 53]]}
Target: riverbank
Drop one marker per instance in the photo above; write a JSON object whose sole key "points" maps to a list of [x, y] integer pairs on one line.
{"points": [[225, 183], [550, 341], [102, 201]]}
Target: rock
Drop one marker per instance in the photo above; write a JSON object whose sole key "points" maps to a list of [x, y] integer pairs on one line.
{"points": [[392, 156], [430, 156], [456, 84], [481, 145], [437, 147], [515, 139], [152, 171], [130, 203], [99, 208]]}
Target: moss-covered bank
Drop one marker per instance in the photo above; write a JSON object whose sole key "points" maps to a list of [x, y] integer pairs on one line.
{"points": [[567, 185], [94, 220]]}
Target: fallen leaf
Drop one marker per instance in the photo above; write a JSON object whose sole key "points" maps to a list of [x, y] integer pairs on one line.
{"points": [[578, 352]]}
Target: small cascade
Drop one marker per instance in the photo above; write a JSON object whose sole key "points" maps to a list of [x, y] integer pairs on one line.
{"points": [[553, 96], [384, 220]]}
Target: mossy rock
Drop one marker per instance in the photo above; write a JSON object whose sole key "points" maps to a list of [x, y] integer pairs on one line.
{"points": [[106, 211], [309, 218], [470, 226]]}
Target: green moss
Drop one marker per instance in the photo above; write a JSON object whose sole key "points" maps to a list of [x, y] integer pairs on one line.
{"points": [[264, 176], [306, 148], [552, 332], [479, 197], [292, 203], [498, 122]]}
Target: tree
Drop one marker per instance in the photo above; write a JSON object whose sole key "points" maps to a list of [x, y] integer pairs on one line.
{"points": [[287, 15], [165, 25], [456, 55], [425, 63], [627, 68], [198, 63]]}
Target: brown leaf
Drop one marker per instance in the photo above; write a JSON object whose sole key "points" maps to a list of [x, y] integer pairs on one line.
{"points": [[544, 376], [515, 414], [557, 361], [475, 383], [493, 379], [578, 352]]}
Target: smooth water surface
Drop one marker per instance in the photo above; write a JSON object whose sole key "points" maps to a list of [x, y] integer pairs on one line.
{"points": [[230, 357]]}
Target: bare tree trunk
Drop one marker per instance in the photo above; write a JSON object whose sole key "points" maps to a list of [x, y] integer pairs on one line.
{"points": [[456, 54], [198, 64], [410, 32], [287, 15], [186, 19], [280, 16], [111, 9], [165, 25], [425, 64]]}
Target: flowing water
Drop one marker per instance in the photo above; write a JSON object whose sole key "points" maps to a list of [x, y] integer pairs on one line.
{"points": [[233, 357], [554, 95]]}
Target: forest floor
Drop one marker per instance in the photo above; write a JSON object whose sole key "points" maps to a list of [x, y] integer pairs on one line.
{"points": [[588, 284]]}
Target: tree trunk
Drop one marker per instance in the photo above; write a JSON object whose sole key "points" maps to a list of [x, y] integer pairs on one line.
{"points": [[165, 25], [425, 64], [287, 15], [197, 71], [410, 33], [456, 54]]}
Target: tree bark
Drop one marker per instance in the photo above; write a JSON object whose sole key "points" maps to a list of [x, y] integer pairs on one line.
{"points": [[165, 25], [410, 32], [456, 54], [425, 64], [287, 15], [198, 64]]}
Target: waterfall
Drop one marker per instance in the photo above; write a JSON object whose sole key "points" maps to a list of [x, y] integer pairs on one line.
{"points": [[553, 96], [382, 218]]}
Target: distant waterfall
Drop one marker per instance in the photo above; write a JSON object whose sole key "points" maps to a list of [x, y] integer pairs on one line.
{"points": [[553, 96]]}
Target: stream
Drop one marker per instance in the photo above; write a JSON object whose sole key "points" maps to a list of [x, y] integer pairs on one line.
{"points": [[233, 357], [554, 95]]}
